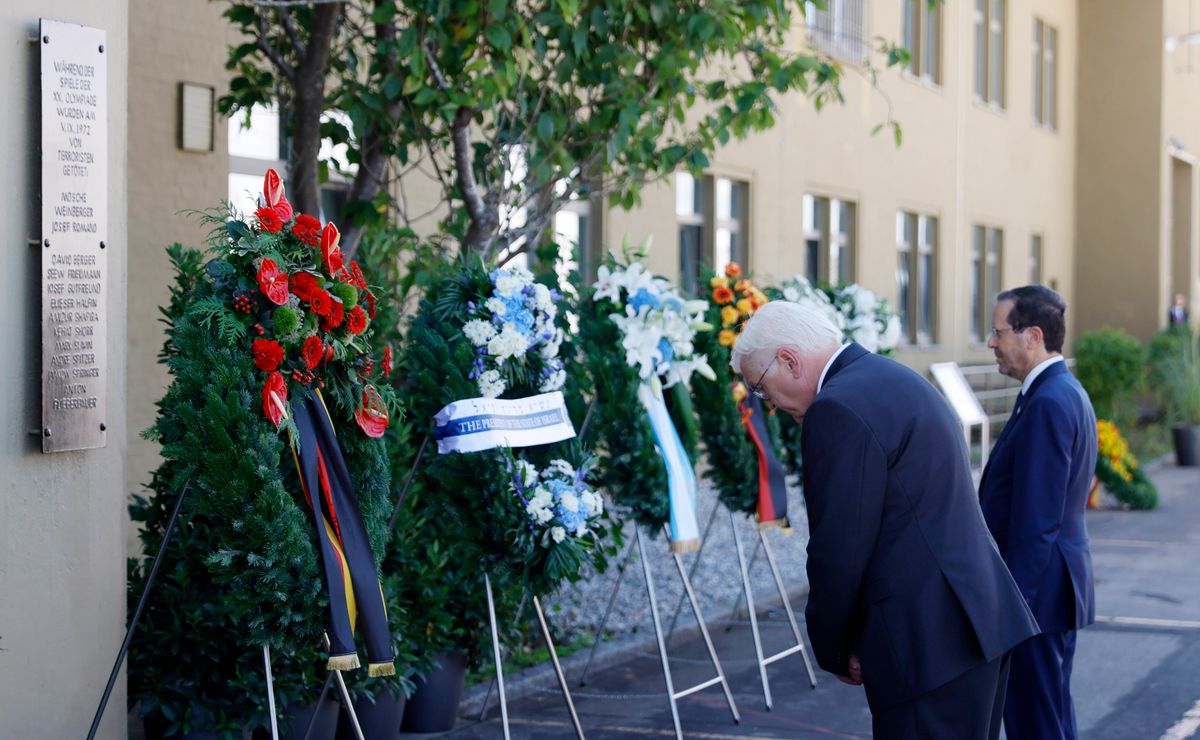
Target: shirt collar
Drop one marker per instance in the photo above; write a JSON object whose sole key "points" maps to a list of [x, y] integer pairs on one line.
{"points": [[821, 380], [1032, 376]]}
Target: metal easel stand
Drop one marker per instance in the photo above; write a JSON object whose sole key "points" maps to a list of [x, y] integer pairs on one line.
{"points": [[765, 660], [330, 676], [558, 671], [672, 694]]}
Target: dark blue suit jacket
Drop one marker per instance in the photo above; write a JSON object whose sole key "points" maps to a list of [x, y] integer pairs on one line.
{"points": [[1034, 492], [901, 568]]}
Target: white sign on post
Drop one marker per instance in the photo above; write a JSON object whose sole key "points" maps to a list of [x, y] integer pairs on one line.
{"points": [[966, 406]]}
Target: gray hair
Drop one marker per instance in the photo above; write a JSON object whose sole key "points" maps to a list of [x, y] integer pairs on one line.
{"points": [[781, 324]]}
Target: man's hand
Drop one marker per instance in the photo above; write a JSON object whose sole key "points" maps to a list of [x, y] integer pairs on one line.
{"points": [[855, 678]]}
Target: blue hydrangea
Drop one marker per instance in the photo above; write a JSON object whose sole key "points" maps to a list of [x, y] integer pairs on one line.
{"points": [[668, 352], [644, 298]]}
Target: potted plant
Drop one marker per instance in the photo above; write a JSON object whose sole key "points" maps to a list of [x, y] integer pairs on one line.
{"points": [[1177, 378]]}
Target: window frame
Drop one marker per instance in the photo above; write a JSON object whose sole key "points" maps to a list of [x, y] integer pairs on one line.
{"points": [[921, 29], [829, 242], [826, 29], [991, 54], [1044, 104], [919, 320]]}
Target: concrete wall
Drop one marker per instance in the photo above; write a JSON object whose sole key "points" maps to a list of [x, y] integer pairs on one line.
{"points": [[185, 42], [959, 161], [62, 569], [1123, 181]]}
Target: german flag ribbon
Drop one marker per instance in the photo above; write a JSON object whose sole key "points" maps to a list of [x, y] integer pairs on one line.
{"points": [[772, 486], [355, 595]]}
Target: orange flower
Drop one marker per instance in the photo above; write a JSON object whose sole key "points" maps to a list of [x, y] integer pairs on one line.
{"points": [[743, 286], [733, 269], [727, 337], [722, 295]]}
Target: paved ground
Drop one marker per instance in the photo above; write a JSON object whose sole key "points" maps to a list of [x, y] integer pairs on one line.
{"points": [[1137, 670]]}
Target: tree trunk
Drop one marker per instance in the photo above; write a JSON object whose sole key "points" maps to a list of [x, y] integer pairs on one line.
{"points": [[309, 104]]}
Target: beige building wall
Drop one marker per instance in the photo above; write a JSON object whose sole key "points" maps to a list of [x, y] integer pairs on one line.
{"points": [[183, 43], [960, 161], [62, 570]]}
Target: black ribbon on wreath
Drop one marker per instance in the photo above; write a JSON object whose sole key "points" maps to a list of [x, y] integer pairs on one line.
{"points": [[772, 485], [355, 595]]}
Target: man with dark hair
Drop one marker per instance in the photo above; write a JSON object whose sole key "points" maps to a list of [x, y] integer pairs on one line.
{"points": [[1033, 494]]}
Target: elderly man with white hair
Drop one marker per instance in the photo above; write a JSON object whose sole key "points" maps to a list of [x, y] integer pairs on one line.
{"points": [[908, 594]]}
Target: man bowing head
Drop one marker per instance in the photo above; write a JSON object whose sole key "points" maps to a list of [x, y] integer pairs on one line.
{"points": [[907, 592]]}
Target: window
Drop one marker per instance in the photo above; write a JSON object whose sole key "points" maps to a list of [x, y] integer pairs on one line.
{"points": [[916, 244], [689, 211], [1035, 259], [1045, 88], [829, 239], [987, 246], [923, 39], [841, 29], [572, 234], [730, 224], [989, 52]]}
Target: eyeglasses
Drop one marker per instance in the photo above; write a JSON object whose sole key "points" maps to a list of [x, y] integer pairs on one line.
{"points": [[997, 332], [756, 389]]}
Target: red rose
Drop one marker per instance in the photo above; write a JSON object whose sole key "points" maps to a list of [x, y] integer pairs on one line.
{"points": [[307, 229], [358, 320], [274, 395], [332, 254], [387, 360], [334, 318], [272, 282], [321, 302], [312, 351], [269, 220], [283, 209], [304, 285], [370, 304], [267, 354], [272, 188], [372, 415]]}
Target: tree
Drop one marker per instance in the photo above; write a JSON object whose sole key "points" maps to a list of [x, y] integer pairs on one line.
{"points": [[517, 106]]}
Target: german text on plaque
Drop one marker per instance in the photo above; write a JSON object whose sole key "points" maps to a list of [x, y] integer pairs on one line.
{"points": [[74, 235]]}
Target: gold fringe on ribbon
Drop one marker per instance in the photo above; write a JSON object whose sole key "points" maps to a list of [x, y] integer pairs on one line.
{"points": [[375, 670], [343, 662], [685, 546], [780, 522]]}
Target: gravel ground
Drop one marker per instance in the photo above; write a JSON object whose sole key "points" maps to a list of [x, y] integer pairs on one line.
{"points": [[716, 580]]}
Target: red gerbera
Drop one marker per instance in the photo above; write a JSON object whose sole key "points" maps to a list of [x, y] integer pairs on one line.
{"points": [[387, 360], [312, 351], [307, 229], [321, 302], [372, 415], [332, 254], [356, 277], [267, 354], [333, 319], [358, 320], [304, 285], [274, 395], [269, 220], [272, 282]]}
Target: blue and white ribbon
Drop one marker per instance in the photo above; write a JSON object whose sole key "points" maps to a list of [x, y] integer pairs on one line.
{"points": [[476, 424], [683, 531]]}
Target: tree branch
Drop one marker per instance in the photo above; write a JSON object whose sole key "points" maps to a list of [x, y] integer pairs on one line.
{"points": [[286, 16], [265, 47]]}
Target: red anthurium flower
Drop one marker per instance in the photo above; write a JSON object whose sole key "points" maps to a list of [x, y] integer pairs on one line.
{"points": [[283, 209], [330, 237], [370, 304], [387, 360], [267, 354], [372, 415], [272, 282], [358, 320], [269, 220], [328, 352], [333, 319], [312, 351], [307, 229], [272, 188], [275, 398], [304, 285]]}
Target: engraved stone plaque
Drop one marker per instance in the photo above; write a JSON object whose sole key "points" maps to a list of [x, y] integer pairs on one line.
{"points": [[74, 235]]}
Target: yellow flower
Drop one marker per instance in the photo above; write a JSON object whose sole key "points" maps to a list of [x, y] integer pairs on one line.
{"points": [[739, 391], [743, 286], [718, 281], [745, 307], [729, 316], [727, 337]]}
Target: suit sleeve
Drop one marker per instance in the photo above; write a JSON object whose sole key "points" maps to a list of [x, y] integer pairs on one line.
{"points": [[845, 478], [1041, 470]]}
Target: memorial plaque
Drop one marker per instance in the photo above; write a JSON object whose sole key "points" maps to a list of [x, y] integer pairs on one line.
{"points": [[74, 235]]}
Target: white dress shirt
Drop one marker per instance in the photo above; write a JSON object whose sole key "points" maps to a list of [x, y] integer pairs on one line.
{"points": [[821, 380], [1032, 376]]}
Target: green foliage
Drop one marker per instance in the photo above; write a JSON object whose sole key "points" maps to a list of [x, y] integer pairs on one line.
{"points": [[1109, 364], [1138, 493], [1177, 377], [600, 96], [242, 567]]}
